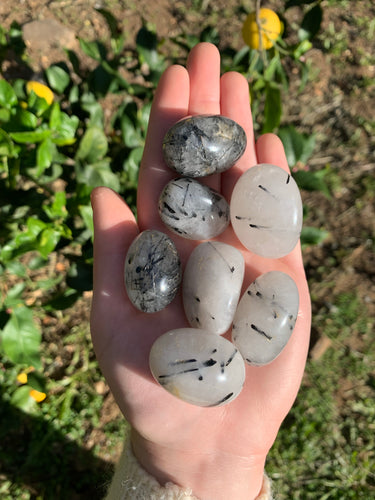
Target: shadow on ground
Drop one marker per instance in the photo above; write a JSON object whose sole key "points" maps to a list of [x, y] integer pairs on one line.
{"points": [[44, 463]]}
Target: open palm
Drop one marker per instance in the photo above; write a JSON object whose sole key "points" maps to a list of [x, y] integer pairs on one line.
{"points": [[168, 432]]}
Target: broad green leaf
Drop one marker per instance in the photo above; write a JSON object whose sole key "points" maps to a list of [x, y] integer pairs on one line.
{"points": [[313, 235], [8, 97], [272, 109], [55, 116], [6, 144], [93, 145], [95, 50], [312, 181], [21, 399], [57, 210], [44, 155], [311, 22], [87, 216], [21, 338], [298, 147], [131, 165], [97, 174], [14, 295], [58, 78], [131, 136], [47, 241], [24, 119], [65, 132], [30, 137]]}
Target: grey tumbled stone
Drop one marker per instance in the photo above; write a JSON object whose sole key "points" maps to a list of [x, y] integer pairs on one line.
{"points": [[152, 271], [193, 210], [203, 144]]}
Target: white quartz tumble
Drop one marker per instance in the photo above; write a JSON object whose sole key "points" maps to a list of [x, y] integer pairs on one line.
{"points": [[266, 211], [197, 366], [265, 317], [211, 286]]}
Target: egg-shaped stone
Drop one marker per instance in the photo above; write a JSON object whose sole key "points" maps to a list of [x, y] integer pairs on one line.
{"points": [[193, 210], [265, 317], [266, 211], [197, 366], [152, 271], [202, 145], [211, 286]]}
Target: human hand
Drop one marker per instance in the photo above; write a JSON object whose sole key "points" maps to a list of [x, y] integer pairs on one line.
{"points": [[218, 452]]}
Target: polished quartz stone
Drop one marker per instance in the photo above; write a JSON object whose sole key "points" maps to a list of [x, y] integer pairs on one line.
{"points": [[152, 271], [266, 211], [193, 210], [265, 317], [197, 366], [203, 144], [211, 286]]}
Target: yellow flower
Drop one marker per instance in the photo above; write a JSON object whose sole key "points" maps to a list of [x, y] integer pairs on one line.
{"points": [[22, 378], [270, 27], [40, 90], [38, 396]]}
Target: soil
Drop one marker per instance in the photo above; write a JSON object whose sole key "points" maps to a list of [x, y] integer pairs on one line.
{"points": [[337, 105]]}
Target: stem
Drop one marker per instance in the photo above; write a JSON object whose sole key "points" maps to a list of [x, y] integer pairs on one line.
{"points": [[258, 23]]}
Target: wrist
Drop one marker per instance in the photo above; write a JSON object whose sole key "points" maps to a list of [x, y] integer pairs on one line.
{"points": [[211, 474]]}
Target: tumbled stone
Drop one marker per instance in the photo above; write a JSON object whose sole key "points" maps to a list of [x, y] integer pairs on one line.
{"points": [[193, 210], [152, 271], [266, 211], [197, 366], [212, 285], [203, 144], [265, 317]]}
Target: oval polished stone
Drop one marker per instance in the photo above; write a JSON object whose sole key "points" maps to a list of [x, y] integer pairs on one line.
{"points": [[193, 210], [266, 211], [211, 286], [197, 366], [152, 271], [203, 144], [265, 317]]}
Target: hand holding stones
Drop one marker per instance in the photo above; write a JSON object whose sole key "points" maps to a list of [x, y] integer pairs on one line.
{"points": [[196, 364]]}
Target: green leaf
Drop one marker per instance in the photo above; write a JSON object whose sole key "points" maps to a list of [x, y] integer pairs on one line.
{"points": [[93, 145], [65, 132], [23, 119], [97, 174], [87, 216], [57, 210], [6, 145], [272, 109], [30, 137], [131, 136], [21, 338], [47, 241], [21, 399], [313, 236], [8, 97], [111, 21], [298, 147], [311, 22], [131, 165], [44, 155], [58, 78], [95, 50], [312, 181]]}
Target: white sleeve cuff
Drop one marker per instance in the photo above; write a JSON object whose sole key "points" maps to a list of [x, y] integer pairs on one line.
{"points": [[132, 482]]}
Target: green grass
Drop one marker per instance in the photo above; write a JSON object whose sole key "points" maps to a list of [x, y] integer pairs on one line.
{"points": [[326, 446]]}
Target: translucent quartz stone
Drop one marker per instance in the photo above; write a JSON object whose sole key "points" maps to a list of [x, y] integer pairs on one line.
{"points": [[211, 286], [197, 366], [152, 271], [265, 317], [203, 144], [266, 211], [193, 210]]}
